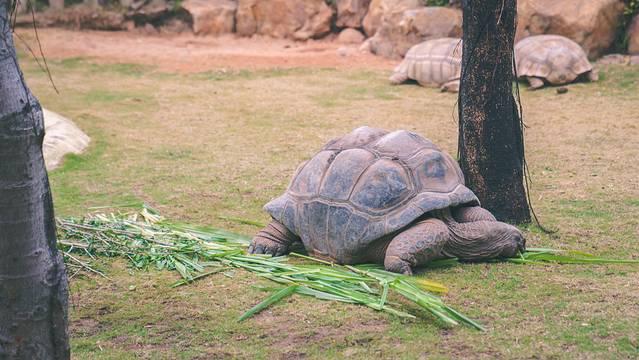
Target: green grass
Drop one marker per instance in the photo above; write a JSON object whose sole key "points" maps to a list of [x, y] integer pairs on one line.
{"points": [[215, 144]]}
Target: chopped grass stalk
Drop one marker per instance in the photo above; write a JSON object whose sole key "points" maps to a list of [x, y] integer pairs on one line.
{"points": [[539, 255], [275, 297], [242, 221]]}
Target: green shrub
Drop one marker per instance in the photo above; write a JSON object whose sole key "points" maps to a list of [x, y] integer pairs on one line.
{"points": [[631, 10], [436, 2]]}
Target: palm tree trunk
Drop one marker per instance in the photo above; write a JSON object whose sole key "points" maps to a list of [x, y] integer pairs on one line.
{"points": [[491, 143], [33, 283]]}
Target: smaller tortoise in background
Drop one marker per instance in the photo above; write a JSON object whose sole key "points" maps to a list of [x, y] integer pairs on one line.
{"points": [[553, 58], [432, 63], [393, 198]]}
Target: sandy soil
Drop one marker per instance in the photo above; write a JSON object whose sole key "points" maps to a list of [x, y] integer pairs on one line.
{"points": [[190, 53]]}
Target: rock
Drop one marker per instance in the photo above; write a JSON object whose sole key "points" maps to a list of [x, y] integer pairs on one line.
{"points": [[366, 46], [211, 17], [394, 38], [61, 137], [56, 4], [590, 23], [299, 19], [633, 36], [22, 8], [614, 59], [386, 10], [174, 25], [350, 36], [149, 29], [350, 13], [344, 51], [85, 17], [146, 11], [634, 60], [562, 90]]}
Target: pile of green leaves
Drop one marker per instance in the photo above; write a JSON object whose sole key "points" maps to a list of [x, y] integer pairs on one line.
{"points": [[148, 240]]}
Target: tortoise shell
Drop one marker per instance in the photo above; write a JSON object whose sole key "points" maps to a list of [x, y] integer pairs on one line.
{"points": [[365, 185], [61, 137], [433, 62], [555, 58]]}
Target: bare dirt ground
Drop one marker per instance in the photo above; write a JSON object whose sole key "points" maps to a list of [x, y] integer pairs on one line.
{"points": [[190, 53]]}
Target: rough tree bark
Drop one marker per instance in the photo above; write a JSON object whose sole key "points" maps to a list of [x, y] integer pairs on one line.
{"points": [[33, 283], [491, 144]]}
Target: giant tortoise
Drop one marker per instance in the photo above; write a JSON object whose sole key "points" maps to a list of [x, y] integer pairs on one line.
{"points": [[385, 197], [434, 62], [553, 58]]}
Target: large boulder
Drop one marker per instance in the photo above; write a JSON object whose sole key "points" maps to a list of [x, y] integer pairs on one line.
{"points": [[395, 37], [299, 19], [350, 36], [61, 137], [386, 10], [633, 36], [211, 17], [350, 13], [590, 23]]}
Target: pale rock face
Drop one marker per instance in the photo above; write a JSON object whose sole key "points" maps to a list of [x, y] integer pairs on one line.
{"points": [[386, 10], [350, 13], [299, 20], [590, 23], [61, 137], [212, 17], [350, 36], [398, 34]]}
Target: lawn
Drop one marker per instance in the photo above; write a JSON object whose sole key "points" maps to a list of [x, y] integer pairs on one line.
{"points": [[200, 146]]}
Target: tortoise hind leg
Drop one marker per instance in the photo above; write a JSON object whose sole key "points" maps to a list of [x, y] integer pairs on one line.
{"points": [[275, 239], [535, 82], [398, 77], [451, 86], [416, 246]]}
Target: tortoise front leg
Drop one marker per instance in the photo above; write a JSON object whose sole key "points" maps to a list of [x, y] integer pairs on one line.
{"points": [[535, 82], [416, 246], [593, 75], [465, 214], [275, 239]]}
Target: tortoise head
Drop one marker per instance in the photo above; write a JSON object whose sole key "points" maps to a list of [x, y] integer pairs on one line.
{"points": [[562, 69]]}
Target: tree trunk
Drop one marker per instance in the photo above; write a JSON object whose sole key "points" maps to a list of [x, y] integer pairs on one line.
{"points": [[491, 143], [33, 283]]}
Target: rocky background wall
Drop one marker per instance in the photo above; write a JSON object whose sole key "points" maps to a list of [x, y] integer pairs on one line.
{"points": [[387, 27]]}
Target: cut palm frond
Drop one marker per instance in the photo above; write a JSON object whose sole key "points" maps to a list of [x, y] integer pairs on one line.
{"points": [[146, 240], [543, 255]]}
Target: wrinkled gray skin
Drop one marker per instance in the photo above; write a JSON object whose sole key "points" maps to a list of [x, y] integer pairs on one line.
{"points": [[391, 198]]}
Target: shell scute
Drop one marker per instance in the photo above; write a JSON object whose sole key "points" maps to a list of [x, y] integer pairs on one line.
{"points": [[383, 185], [344, 172]]}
